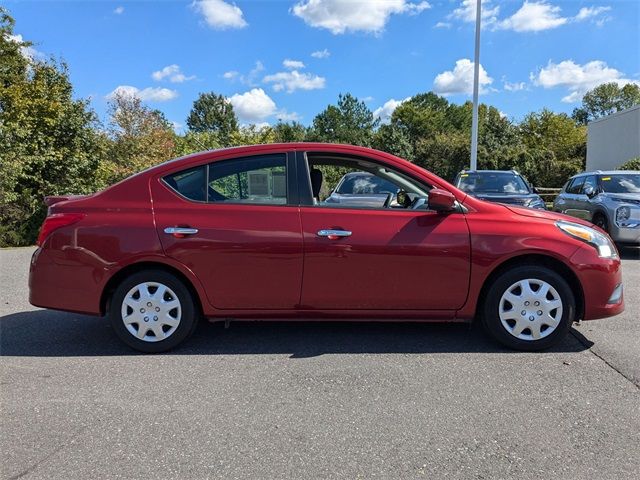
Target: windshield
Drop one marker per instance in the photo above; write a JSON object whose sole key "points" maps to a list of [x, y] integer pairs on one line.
{"points": [[492, 182], [621, 183], [363, 184]]}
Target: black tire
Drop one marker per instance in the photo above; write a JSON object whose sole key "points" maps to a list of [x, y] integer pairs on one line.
{"points": [[188, 319], [490, 309], [601, 221]]}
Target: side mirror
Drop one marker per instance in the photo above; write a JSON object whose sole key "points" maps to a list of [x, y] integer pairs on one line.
{"points": [[589, 191], [441, 200], [535, 190]]}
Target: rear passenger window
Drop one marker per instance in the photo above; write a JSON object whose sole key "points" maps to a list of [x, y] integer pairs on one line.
{"points": [[190, 183], [261, 179]]}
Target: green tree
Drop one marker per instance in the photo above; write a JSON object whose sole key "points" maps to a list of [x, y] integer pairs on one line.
{"points": [[553, 147], [140, 138], [606, 99], [394, 140], [285, 132], [350, 121], [633, 164], [48, 140], [213, 113], [423, 116]]}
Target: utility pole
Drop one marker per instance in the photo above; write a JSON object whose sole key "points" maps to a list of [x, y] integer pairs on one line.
{"points": [[476, 78]]}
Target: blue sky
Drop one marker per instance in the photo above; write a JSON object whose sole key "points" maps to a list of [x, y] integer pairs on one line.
{"points": [[290, 59]]}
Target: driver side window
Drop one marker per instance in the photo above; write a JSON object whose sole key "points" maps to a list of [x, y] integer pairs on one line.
{"points": [[342, 182]]}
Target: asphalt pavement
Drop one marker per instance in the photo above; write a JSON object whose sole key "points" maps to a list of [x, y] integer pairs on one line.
{"points": [[305, 400]]}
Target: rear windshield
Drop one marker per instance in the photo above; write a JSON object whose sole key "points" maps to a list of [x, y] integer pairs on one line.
{"points": [[621, 183], [492, 182]]}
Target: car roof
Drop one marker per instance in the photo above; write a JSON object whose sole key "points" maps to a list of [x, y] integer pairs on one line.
{"points": [[489, 171], [606, 172]]}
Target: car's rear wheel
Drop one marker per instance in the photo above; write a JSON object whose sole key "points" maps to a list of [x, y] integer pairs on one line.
{"points": [[601, 221], [529, 308], [152, 311]]}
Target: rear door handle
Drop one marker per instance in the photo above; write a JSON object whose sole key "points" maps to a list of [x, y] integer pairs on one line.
{"points": [[334, 234], [180, 232]]}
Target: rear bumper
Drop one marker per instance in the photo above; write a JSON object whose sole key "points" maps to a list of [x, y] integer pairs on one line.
{"points": [[599, 278], [61, 287]]}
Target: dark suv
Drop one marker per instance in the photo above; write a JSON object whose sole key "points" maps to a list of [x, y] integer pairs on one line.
{"points": [[503, 186]]}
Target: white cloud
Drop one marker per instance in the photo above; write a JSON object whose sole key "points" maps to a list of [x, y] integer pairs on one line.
{"points": [[321, 54], [294, 80], [578, 79], [219, 14], [443, 25], [467, 12], [253, 106], [171, 73], [385, 111], [533, 17], [285, 116], [118, 10], [460, 79], [514, 87], [231, 75], [340, 16], [150, 94], [292, 64], [586, 13], [29, 53]]}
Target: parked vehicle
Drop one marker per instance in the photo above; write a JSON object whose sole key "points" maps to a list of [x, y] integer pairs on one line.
{"points": [[502, 186], [363, 189], [611, 200], [238, 233]]}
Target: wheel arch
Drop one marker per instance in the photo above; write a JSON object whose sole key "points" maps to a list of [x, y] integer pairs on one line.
{"points": [[536, 259], [124, 272]]}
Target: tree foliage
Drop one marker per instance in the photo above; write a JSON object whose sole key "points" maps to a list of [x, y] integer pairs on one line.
{"points": [[606, 99], [213, 113], [350, 121], [49, 141], [139, 137]]}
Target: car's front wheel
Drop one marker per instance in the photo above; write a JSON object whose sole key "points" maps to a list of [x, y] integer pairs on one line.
{"points": [[152, 311], [529, 308], [601, 221]]}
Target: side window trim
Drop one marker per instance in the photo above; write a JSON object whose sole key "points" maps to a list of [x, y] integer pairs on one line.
{"points": [[292, 198], [306, 195]]}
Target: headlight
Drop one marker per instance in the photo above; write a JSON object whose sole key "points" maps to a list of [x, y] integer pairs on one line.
{"points": [[597, 240], [622, 215], [537, 203]]}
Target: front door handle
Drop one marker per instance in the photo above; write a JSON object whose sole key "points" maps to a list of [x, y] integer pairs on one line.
{"points": [[180, 232], [334, 234]]}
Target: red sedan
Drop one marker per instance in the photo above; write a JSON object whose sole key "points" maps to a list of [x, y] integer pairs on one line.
{"points": [[247, 233]]}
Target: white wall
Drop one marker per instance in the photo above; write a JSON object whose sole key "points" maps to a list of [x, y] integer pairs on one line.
{"points": [[613, 140]]}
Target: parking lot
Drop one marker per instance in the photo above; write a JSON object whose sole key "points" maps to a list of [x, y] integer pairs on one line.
{"points": [[314, 400]]}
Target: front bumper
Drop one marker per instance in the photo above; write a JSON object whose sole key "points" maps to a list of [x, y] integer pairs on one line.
{"points": [[625, 235], [601, 280]]}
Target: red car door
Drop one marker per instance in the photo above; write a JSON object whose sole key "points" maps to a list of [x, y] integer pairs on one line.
{"points": [[235, 223], [384, 258]]}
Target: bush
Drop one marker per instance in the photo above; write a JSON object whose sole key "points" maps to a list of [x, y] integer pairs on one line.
{"points": [[633, 164]]}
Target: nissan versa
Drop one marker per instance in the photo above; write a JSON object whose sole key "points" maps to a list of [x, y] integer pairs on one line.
{"points": [[246, 233]]}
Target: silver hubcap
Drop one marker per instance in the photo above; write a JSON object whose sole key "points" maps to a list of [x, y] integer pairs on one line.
{"points": [[151, 311], [530, 309]]}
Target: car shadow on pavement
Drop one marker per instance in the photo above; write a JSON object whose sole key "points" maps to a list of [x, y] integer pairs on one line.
{"points": [[628, 252], [46, 333]]}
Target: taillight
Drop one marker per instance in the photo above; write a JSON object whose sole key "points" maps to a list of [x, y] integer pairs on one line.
{"points": [[56, 221]]}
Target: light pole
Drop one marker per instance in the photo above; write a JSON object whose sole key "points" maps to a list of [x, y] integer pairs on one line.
{"points": [[476, 75]]}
